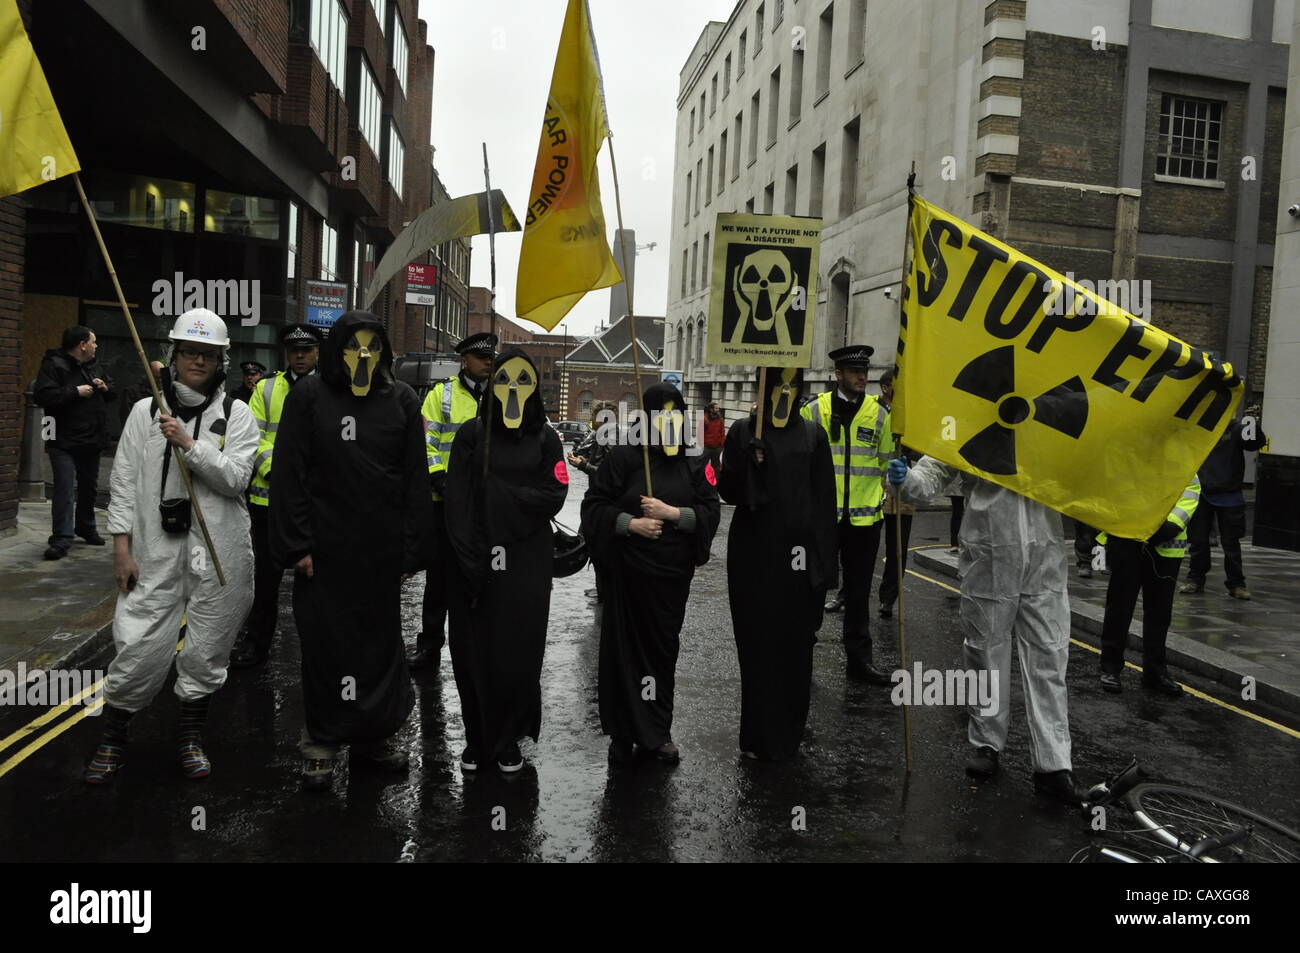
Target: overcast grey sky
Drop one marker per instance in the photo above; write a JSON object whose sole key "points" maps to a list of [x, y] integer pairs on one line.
{"points": [[492, 69]]}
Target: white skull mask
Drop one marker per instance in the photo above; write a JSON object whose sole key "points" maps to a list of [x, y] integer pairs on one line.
{"points": [[764, 286]]}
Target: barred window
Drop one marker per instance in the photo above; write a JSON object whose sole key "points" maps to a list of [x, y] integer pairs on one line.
{"points": [[1190, 131]]}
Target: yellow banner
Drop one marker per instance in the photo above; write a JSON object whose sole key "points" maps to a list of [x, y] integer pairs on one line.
{"points": [[1014, 373], [34, 146], [564, 253], [763, 298]]}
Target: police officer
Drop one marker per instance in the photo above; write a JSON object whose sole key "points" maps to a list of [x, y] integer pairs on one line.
{"points": [[861, 446], [301, 352], [253, 372], [448, 405]]}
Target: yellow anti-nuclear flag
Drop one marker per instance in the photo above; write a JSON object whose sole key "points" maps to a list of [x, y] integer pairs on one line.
{"points": [[564, 253], [34, 146], [1014, 373]]}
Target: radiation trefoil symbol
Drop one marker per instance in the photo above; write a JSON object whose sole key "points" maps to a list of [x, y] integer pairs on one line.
{"points": [[991, 376]]}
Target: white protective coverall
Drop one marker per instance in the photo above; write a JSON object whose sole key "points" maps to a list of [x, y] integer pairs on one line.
{"points": [[176, 576], [1013, 584]]}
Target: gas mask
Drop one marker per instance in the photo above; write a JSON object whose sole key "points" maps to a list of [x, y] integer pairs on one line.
{"points": [[763, 289], [669, 424], [784, 395], [361, 356], [513, 383]]}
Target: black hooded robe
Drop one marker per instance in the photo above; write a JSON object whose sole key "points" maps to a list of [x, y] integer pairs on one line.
{"points": [[777, 593], [351, 488], [499, 591], [648, 580]]}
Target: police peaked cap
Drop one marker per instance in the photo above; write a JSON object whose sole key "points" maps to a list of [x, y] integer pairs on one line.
{"points": [[855, 355], [300, 335], [481, 343], [253, 367]]}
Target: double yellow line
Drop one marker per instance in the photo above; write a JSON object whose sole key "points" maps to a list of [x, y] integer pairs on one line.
{"points": [[36, 724]]}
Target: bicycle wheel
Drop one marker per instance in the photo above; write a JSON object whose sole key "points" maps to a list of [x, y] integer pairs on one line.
{"points": [[1176, 814]]}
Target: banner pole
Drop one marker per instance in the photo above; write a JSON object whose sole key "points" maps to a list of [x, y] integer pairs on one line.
{"points": [[492, 307], [148, 376], [631, 318], [896, 492]]}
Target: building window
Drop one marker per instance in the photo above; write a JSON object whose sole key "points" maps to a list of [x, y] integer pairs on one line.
{"points": [[368, 107], [713, 101], [778, 14], [700, 127], [817, 182], [708, 192], [749, 206], [791, 188], [690, 181], [769, 198], [753, 126], [1190, 132], [686, 268], [825, 36], [690, 129], [401, 52], [735, 159], [381, 12], [329, 253], [726, 76], [229, 214], [356, 274], [722, 162], [740, 60], [695, 265], [699, 341], [396, 159], [292, 264], [585, 400], [329, 36], [699, 175], [758, 31], [849, 170], [773, 101], [796, 85], [704, 263], [857, 31]]}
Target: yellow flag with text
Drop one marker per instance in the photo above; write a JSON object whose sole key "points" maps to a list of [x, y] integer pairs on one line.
{"points": [[565, 253], [34, 146], [1012, 372]]}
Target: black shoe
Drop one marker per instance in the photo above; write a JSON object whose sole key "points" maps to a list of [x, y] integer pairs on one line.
{"points": [[428, 656], [1162, 685], [93, 538], [55, 552], [317, 774], [1059, 785], [621, 753], [1110, 683], [511, 760], [468, 760], [886, 611], [866, 672], [983, 763], [386, 756], [835, 604], [246, 654], [666, 753]]}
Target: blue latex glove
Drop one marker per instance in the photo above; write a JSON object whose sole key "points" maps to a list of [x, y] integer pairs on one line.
{"points": [[897, 472]]}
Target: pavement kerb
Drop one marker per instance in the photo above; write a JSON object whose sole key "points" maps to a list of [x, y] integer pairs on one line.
{"points": [[1206, 661]]}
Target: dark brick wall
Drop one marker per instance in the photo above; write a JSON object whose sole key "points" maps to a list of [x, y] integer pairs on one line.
{"points": [[1269, 168], [1072, 106], [1085, 263], [1200, 325], [1192, 210], [1191, 298], [263, 25], [1044, 203], [1004, 9]]}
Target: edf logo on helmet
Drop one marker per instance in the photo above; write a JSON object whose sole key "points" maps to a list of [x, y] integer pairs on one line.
{"points": [[1087, 409]]}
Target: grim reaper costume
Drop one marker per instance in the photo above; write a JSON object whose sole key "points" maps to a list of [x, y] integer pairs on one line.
{"points": [[499, 594], [649, 579], [351, 487], [781, 560]]}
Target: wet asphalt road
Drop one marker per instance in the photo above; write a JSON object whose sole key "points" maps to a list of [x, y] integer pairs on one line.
{"points": [[567, 805]]}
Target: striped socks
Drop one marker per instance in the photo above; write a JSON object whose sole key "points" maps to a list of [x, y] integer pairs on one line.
{"points": [[194, 763], [110, 755]]}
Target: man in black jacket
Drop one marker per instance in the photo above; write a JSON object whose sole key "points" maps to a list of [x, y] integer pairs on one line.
{"points": [[73, 389], [1221, 478]]}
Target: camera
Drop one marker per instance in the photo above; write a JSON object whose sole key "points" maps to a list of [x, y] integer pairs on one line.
{"points": [[1294, 211]]}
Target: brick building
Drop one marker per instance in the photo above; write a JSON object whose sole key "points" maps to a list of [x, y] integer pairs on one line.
{"points": [[600, 370], [254, 146], [1119, 139], [546, 350]]}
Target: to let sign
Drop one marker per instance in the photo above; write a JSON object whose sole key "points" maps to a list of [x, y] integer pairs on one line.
{"points": [[421, 284], [326, 301]]}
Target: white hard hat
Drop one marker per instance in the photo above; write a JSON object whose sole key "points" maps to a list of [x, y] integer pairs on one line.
{"points": [[200, 326]]}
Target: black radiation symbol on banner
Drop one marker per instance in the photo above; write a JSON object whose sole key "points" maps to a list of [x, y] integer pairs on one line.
{"points": [[992, 376]]}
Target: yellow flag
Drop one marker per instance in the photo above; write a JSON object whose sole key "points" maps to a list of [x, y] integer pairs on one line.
{"points": [[1013, 372], [34, 146], [564, 253]]}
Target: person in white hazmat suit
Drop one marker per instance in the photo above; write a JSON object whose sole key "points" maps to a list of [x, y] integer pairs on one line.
{"points": [[1013, 587], [161, 564]]}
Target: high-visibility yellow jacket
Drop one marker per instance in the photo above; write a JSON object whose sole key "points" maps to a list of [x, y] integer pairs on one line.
{"points": [[447, 405], [1180, 516], [861, 454], [267, 403]]}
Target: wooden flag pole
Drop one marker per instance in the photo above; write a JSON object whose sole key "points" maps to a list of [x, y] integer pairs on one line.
{"points": [[148, 376], [492, 308], [631, 319], [899, 555]]}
